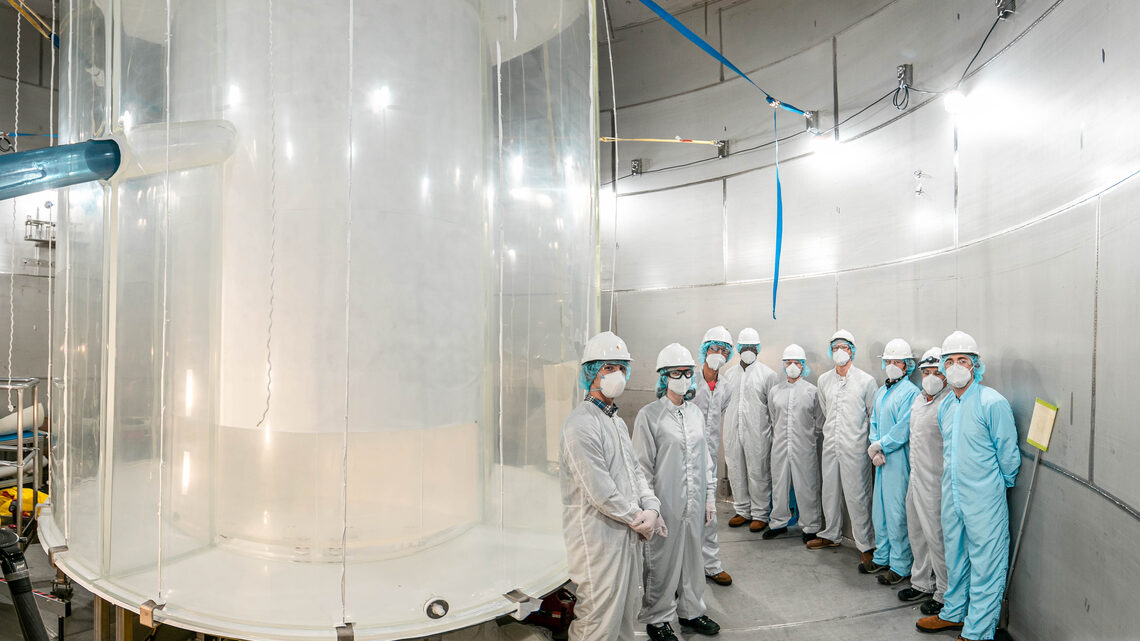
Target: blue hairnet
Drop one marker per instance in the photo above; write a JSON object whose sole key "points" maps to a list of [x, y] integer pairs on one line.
{"points": [[589, 371], [910, 364], [705, 349], [740, 347], [979, 366], [845, 341], [663, 382]]}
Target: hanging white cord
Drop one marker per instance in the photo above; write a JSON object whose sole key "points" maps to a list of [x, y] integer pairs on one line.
{"points": [[347, 327], [12, 245], [272, 225], [162, 417], [613, 99], [51, 253]]}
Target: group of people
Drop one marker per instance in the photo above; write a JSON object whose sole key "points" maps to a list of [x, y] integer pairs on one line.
{"points": [[921, 469]]}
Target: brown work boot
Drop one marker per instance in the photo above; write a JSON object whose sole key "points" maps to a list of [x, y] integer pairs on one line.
{"points": [[820, 543], [738, 521], [935, 623], [757, 526], [722, 578]]}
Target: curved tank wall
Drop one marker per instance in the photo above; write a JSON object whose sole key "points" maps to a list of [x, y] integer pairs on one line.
{"points": [[1012, 219], [311, 334]]}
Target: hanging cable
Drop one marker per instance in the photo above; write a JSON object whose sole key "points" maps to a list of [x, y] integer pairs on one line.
{"points": [[613, 96], [12, 252], [272, 225]]}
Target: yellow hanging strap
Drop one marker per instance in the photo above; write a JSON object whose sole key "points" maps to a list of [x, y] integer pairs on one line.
{"points": [[678, 139]]}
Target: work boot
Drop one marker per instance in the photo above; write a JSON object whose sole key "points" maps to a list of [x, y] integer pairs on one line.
{"points": [[934, 624], [965, 639], [867, 563], [807, 537], [931, 607], [701, 625], [892, 578], [660, 632], [819, 543], [720, 578], [757, 526], [914, 594], [737, 521], [774, 532]]}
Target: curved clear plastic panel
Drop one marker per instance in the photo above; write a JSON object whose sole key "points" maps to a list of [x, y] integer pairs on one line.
{"points": [[322, 381]]}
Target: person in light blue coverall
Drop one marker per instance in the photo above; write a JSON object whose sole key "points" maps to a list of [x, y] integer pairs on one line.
{"points": [[890, 453], [980, 461]]}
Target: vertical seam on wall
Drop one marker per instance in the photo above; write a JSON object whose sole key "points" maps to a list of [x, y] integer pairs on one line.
{"points": [[724, 227], [957, 270], [1096, 323], [720, 33], [835, 87]]}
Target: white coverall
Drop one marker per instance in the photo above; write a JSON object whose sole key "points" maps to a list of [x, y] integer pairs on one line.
{"points": [[602, 491], [669, 441], [713, 404], [924, 498], [748, 439], [797, 420], [847, 402]]}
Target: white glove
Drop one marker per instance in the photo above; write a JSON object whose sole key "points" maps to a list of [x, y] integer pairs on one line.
{"points": [[878, 460], [710, 513], [643, 523], [874, 449], [659, 528]]}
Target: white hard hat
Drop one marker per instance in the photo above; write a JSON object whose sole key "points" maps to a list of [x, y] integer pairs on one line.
{"points": [[897, 350], [960, 343], [718, 333], [605, 347], [794, 352], [675, 355], [931, 358], [748, 336], [844, 334]]}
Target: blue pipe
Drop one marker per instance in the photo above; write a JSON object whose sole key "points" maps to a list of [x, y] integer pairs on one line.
{"points": [[28, 172]]}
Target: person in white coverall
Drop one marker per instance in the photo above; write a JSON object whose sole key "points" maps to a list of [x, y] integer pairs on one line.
{"points": [[747, 434], [797, 418], [712, 398], [924, 498], [847, 395], [669, 441], [607, 506]]}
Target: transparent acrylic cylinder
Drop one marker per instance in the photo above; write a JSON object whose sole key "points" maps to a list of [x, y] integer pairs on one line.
{"points": [[320, 382]]}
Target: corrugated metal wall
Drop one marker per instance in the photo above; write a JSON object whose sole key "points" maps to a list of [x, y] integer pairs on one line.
{"points": [[1013, 220]]}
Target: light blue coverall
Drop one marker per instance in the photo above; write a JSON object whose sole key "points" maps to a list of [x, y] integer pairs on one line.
{"points": [[890, 428]]}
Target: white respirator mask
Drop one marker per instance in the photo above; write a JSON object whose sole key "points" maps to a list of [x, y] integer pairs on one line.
{"points": [[714, 361], [932, 385], [680, 386], [959, 376], [894, 372], [613, 384], [840, 357], [793, 371], [747, 357]]}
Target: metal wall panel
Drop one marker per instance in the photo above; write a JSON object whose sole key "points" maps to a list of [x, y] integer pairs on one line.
{"points": [[1116, 439], [1035, 135], [671, 238], [1027, 297], [854, 206], [907, 301], [1076, 575], [643, 74]]}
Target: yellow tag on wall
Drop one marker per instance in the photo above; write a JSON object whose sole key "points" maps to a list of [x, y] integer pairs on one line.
{"points": [[1041, 427]]}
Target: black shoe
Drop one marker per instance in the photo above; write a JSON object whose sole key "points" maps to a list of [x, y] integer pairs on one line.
{"points": [[660, 632], [913, 594], [771, 534], [807, 536], [931, 607], [870, 567], [892, 578], [701, 625]]}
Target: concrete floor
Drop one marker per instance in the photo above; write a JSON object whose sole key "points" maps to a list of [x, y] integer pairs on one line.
{"points": [[781, 591]]}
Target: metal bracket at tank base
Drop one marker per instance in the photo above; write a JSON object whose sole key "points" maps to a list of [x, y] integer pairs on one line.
{"points": [[344, 632], [436, 608], [146, 612], [54, 551], [524, 604]]}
